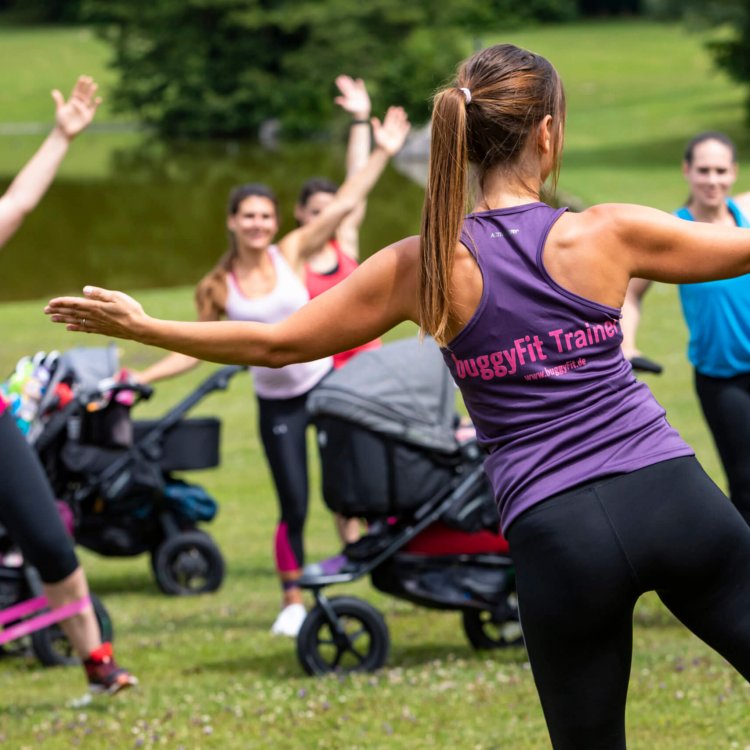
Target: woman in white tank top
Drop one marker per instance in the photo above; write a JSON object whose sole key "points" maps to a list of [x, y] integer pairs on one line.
{"points": [[257, 280]]}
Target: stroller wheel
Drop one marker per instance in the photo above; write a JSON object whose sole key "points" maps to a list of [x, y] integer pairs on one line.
{"points": [[487, 630], [357, 641], [188, 563], [52, 647]]}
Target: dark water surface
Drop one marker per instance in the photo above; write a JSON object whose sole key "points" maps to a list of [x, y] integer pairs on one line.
{"points": [[153, 215]]}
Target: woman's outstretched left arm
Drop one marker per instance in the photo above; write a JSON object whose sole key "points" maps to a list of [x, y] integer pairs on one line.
{"points": [[381, 293]]}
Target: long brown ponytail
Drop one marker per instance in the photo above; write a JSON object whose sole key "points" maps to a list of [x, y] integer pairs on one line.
{"points": [[481, 120], [444, 208]]}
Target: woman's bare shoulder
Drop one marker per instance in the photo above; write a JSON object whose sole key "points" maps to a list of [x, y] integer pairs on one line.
{"points": [[608, 220]]}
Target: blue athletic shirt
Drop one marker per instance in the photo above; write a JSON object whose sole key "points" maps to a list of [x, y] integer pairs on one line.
{"points": [[717, 314]]}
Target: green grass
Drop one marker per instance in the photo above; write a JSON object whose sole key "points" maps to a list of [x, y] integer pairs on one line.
{"points": [[212, 677], [35, 60], [54, 57], [636, 93]]}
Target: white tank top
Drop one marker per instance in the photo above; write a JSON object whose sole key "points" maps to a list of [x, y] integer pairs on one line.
{"points": [[287, 296]]}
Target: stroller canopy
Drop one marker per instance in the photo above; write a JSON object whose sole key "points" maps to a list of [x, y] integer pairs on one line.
{"points": [[402, 390]]}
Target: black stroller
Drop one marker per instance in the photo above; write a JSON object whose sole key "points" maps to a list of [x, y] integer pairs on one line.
{"points": [[118, 475], [391, 454]]}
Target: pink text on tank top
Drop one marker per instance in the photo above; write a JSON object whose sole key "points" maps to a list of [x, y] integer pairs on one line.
{"points": [[554, 402], [287, 296]]}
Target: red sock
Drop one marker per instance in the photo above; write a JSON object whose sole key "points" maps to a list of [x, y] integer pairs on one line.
{"points": [[102, 654]]}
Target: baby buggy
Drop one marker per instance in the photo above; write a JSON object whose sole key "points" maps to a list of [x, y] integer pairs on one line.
{"points": [[391, 454], [120, 476]]}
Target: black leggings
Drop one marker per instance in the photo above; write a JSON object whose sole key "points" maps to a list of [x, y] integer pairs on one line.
{"points": [[283, 431], [726, 407], [28, 510], [582, 560]]}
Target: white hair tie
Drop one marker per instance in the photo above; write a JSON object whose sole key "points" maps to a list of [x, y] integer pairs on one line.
{"points": [[467, 94]]}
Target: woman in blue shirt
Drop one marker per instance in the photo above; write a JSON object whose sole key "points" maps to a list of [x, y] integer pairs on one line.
{"points": [[717, 313]]}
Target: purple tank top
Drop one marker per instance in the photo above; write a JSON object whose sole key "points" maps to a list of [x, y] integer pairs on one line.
{"points": [[542, 374]]}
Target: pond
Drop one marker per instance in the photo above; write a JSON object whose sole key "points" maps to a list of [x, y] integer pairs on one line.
{"points": [[129, 213]]}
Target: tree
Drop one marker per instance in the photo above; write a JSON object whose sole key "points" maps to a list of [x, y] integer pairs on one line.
{"points": [[214, 68], [731, 51]]}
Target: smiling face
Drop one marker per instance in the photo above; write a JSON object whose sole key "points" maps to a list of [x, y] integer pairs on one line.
{"points": [[711, 174], [254, 224]]}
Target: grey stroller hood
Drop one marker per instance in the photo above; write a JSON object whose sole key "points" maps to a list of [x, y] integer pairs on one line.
{"points": [[401, 390]]}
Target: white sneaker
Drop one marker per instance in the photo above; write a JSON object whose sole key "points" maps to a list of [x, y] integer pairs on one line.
{"points": [[289, 620]]}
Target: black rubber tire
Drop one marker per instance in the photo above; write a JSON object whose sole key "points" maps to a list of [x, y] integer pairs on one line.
{"points": [[52, 647], [363, 646], [486, 630], [188, 563]]}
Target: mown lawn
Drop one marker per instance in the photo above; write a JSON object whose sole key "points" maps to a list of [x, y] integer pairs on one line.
{"points": [[213, 677]]}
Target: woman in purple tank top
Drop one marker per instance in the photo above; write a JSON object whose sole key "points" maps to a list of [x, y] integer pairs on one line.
{"points": [[599, 497]]}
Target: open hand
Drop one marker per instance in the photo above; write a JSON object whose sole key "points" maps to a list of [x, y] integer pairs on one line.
{"points": [[100, 311], [391, 133], [354, 97], [74, 115]]}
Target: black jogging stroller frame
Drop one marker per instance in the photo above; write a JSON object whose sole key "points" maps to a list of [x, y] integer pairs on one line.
{"points": [[387, 432], [120, 477]]}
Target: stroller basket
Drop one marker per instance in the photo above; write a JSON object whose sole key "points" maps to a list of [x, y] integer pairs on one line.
{"points": [[386, 430], [366, 475], [191, 444]]}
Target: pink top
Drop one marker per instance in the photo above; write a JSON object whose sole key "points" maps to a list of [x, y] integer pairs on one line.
{"points": [[287, 296], [317, 283], [3, 404]]}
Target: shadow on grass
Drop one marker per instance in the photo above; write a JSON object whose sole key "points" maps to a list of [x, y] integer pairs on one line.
{"points": [[420, 654], [284, 663], [143, 581], [141, 584]]}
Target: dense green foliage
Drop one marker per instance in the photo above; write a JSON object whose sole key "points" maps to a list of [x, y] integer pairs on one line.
{"points": [[237, 63], [731, 53]]}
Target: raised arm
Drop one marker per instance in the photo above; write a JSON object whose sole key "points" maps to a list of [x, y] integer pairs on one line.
{"points": [[32, 182], [389, 137], [355, 100], [381, 293]]}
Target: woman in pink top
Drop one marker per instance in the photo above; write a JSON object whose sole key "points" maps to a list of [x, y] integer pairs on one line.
{"points": [[257, 280]]}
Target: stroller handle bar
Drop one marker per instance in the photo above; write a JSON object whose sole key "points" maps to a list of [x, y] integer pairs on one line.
{"points": [[644, 364], [148, 443], [217, 381], [144, 391]]}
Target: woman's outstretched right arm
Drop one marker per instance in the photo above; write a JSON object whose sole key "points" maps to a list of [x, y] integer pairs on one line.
{"points": [[381, 293]]}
